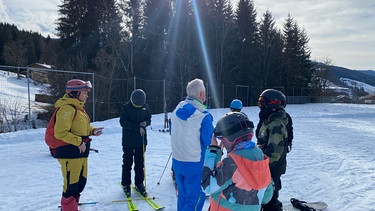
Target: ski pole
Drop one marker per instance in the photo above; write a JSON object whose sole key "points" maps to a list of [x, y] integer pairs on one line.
{"points": [[165, 168], [144, 159]]}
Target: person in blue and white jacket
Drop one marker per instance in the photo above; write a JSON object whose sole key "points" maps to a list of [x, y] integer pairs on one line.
{"points": [[191, 133]]}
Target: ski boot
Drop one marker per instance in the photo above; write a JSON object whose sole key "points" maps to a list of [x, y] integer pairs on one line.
{"points": [[141, 189], [126, 189]]}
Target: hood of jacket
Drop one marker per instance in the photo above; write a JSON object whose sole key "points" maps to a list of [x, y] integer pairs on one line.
{"points": [[251, 174], [66, 100], [276, 115]]}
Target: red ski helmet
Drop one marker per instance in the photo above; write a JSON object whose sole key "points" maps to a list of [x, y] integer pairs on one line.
{"points": [[75, 86]]}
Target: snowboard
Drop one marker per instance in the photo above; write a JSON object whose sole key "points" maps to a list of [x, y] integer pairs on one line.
{"points": [[317, 205]]}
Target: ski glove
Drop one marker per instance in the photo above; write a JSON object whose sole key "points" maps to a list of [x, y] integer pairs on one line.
{"points": [[143, 124], [217, 151], [98, 131], [142, 131]]}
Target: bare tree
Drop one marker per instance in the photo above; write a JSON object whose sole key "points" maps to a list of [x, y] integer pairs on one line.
{"points": [[11, 114], [322, 74]]}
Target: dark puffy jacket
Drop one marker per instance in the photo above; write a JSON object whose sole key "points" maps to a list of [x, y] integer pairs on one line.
{"points": [[130, 118]]}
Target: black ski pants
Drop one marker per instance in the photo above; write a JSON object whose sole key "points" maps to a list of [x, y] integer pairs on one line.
{"points": [[130, 155]]}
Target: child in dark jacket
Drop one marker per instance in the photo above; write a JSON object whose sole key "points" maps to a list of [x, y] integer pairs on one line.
{"points": [[274, 139], [134, 118]]}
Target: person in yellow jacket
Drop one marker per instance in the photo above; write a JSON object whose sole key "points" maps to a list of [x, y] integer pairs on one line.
{"points": [[73, 127]]}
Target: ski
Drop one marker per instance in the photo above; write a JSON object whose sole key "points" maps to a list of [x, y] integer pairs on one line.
{"points": [[129, 201], [134, 199], [151, 202], [131, 204]]}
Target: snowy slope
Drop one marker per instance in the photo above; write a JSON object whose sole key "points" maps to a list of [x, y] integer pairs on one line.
{"points": [[358, 84], [332, 160]]}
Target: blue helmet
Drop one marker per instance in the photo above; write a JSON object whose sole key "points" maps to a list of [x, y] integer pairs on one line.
{"points": [[236, 104]]}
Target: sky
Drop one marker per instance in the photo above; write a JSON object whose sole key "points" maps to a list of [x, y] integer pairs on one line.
{"points": [[341, 31], [332, 160]]}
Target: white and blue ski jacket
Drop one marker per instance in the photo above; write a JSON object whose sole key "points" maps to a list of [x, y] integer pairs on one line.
{"points": [[191, 131]]}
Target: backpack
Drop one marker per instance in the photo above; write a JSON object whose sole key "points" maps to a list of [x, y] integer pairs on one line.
{"points": [[289, 127], [49, 136]]}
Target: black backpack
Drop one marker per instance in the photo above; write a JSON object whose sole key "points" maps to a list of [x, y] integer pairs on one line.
{"points": [[289, 127]]}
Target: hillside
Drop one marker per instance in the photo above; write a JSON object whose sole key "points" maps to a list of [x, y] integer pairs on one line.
{"points": [[365, 76], [368, 72]]}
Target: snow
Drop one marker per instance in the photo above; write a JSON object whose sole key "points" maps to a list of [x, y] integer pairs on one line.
{"points": [[332, 161], [358, 84], [14, 95], [16, 89]]}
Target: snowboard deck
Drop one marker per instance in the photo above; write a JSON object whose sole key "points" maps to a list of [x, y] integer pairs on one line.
{"points": [[318, 205]]}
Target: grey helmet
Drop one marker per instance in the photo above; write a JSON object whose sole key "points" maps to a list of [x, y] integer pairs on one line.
{"points": [[231, 127]]}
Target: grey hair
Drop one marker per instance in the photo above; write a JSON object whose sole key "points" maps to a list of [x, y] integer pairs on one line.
{"points": [[194, 88]]}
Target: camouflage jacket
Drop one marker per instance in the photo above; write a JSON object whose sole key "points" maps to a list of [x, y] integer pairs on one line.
{"points": [[273, 135]]}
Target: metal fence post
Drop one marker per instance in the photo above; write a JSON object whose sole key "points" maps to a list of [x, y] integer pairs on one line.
{"points": [[28, 97]]}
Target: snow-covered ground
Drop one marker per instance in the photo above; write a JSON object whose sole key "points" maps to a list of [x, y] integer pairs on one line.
{"points": [[14, 100], [332, 160], [14, 89]]}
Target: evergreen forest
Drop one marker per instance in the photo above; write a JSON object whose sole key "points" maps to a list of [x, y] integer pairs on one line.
{"points": [[169, 40]]}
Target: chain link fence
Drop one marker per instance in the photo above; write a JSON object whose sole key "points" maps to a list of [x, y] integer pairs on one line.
{"points": [[110, 93]]}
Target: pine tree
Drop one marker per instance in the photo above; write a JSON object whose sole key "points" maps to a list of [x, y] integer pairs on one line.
{"points": [[271, 51], [181, 50], [133, 19], [156, 23], [298, 68], [249, 65]]}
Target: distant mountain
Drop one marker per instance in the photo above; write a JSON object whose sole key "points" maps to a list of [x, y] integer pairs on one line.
{"points": [[369, 72], [365, 76]]}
